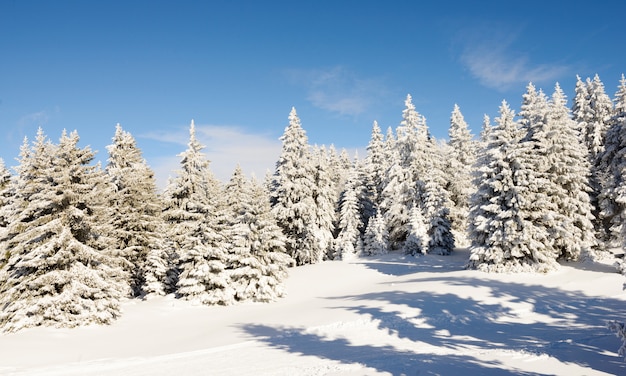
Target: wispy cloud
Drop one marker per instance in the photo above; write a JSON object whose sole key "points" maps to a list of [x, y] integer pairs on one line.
{"points": [[39, 118], [26, 123], [338, 90], [490, 54], [226, 146]]}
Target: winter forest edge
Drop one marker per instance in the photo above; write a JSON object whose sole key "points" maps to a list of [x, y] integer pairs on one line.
{"points": [[535, 188]]}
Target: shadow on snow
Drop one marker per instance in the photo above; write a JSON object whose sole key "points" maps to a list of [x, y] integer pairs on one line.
{"points": [[571, 328]]}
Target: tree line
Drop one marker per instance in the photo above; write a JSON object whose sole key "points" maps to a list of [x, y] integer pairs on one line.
{"points": [[536, 187]]}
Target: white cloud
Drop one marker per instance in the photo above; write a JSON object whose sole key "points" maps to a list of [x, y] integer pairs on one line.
{"points": [[491, 57], [38, 119], [338, 90], [226, 146]]}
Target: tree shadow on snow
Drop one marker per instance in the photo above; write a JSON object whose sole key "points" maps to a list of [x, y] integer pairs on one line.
{"points": [[571, 326], [381, 358], [399, 264], [515, 318]]}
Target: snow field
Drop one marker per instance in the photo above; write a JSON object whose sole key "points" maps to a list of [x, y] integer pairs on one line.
{"points": [[383, 315]]}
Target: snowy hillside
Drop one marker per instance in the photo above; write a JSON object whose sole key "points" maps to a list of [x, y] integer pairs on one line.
{"points": [[380, 315]]}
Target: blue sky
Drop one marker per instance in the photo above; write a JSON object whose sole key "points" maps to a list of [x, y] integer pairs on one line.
{"points": [[237, 68]]}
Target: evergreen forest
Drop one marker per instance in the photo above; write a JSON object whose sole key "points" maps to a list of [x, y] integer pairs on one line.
{"points": [[535, 188]]}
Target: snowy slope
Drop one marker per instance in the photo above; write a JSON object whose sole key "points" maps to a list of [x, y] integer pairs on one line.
{"points": [[385, 315]]}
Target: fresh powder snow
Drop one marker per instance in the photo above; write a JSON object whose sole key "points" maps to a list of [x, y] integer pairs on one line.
{"points": [[388, 314]]}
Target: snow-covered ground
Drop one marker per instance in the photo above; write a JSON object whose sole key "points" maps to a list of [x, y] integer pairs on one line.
{"points": [[382, 315]]}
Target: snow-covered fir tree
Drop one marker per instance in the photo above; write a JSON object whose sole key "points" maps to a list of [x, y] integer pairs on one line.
{"points": [[402, 184], [54, 275], [502, 236], [267, 245], [568, 173], [612, 199], [374, 168], [325, 197], [398, 197], [292, 195], [460, 158], [484, 133], [193, 214], [533, 181], [441, 240], [347, 242], [417, 239], [6, 193], [376, 237], [135, 216], [435, 201], [244, 269], [592, 111], [257, 262]]}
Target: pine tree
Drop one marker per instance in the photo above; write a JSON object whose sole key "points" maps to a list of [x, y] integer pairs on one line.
{"points": [[592, 110], [193, 214], [257, 262], [244, 269], [373, 174], [325, 197], [460, 163], [484, 132], [398, 197], [535, 185], [376, 237], [349, 219], [417, 239], [403, 187], [53, 275], [135, 214], [441, 239], [292, 195], [568, 172], [613, 195], [267, 244], [6, 195], [503, 236]]}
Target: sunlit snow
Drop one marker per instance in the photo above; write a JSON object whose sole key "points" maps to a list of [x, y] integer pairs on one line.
{"points": [[379, 315]]}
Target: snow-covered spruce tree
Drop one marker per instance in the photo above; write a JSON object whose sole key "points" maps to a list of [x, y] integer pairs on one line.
{"points": [[325, 197], [402, 186], [417, 239], [347, 242], [441, 240], [244, 270], [193, 214], [13, 208], [534, 183], [292, 195], [502, 237], [373, 172], [6, 193], [267, 245], [568, 172], [135, 216], [54, 276], [396, 202], [613, 164], [484, 134], [591, 111], [376, 237], [435, 200], [460, 163], [257, 262]]}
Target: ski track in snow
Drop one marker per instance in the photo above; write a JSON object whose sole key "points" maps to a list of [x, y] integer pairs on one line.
{"points": [[384, 315]]}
